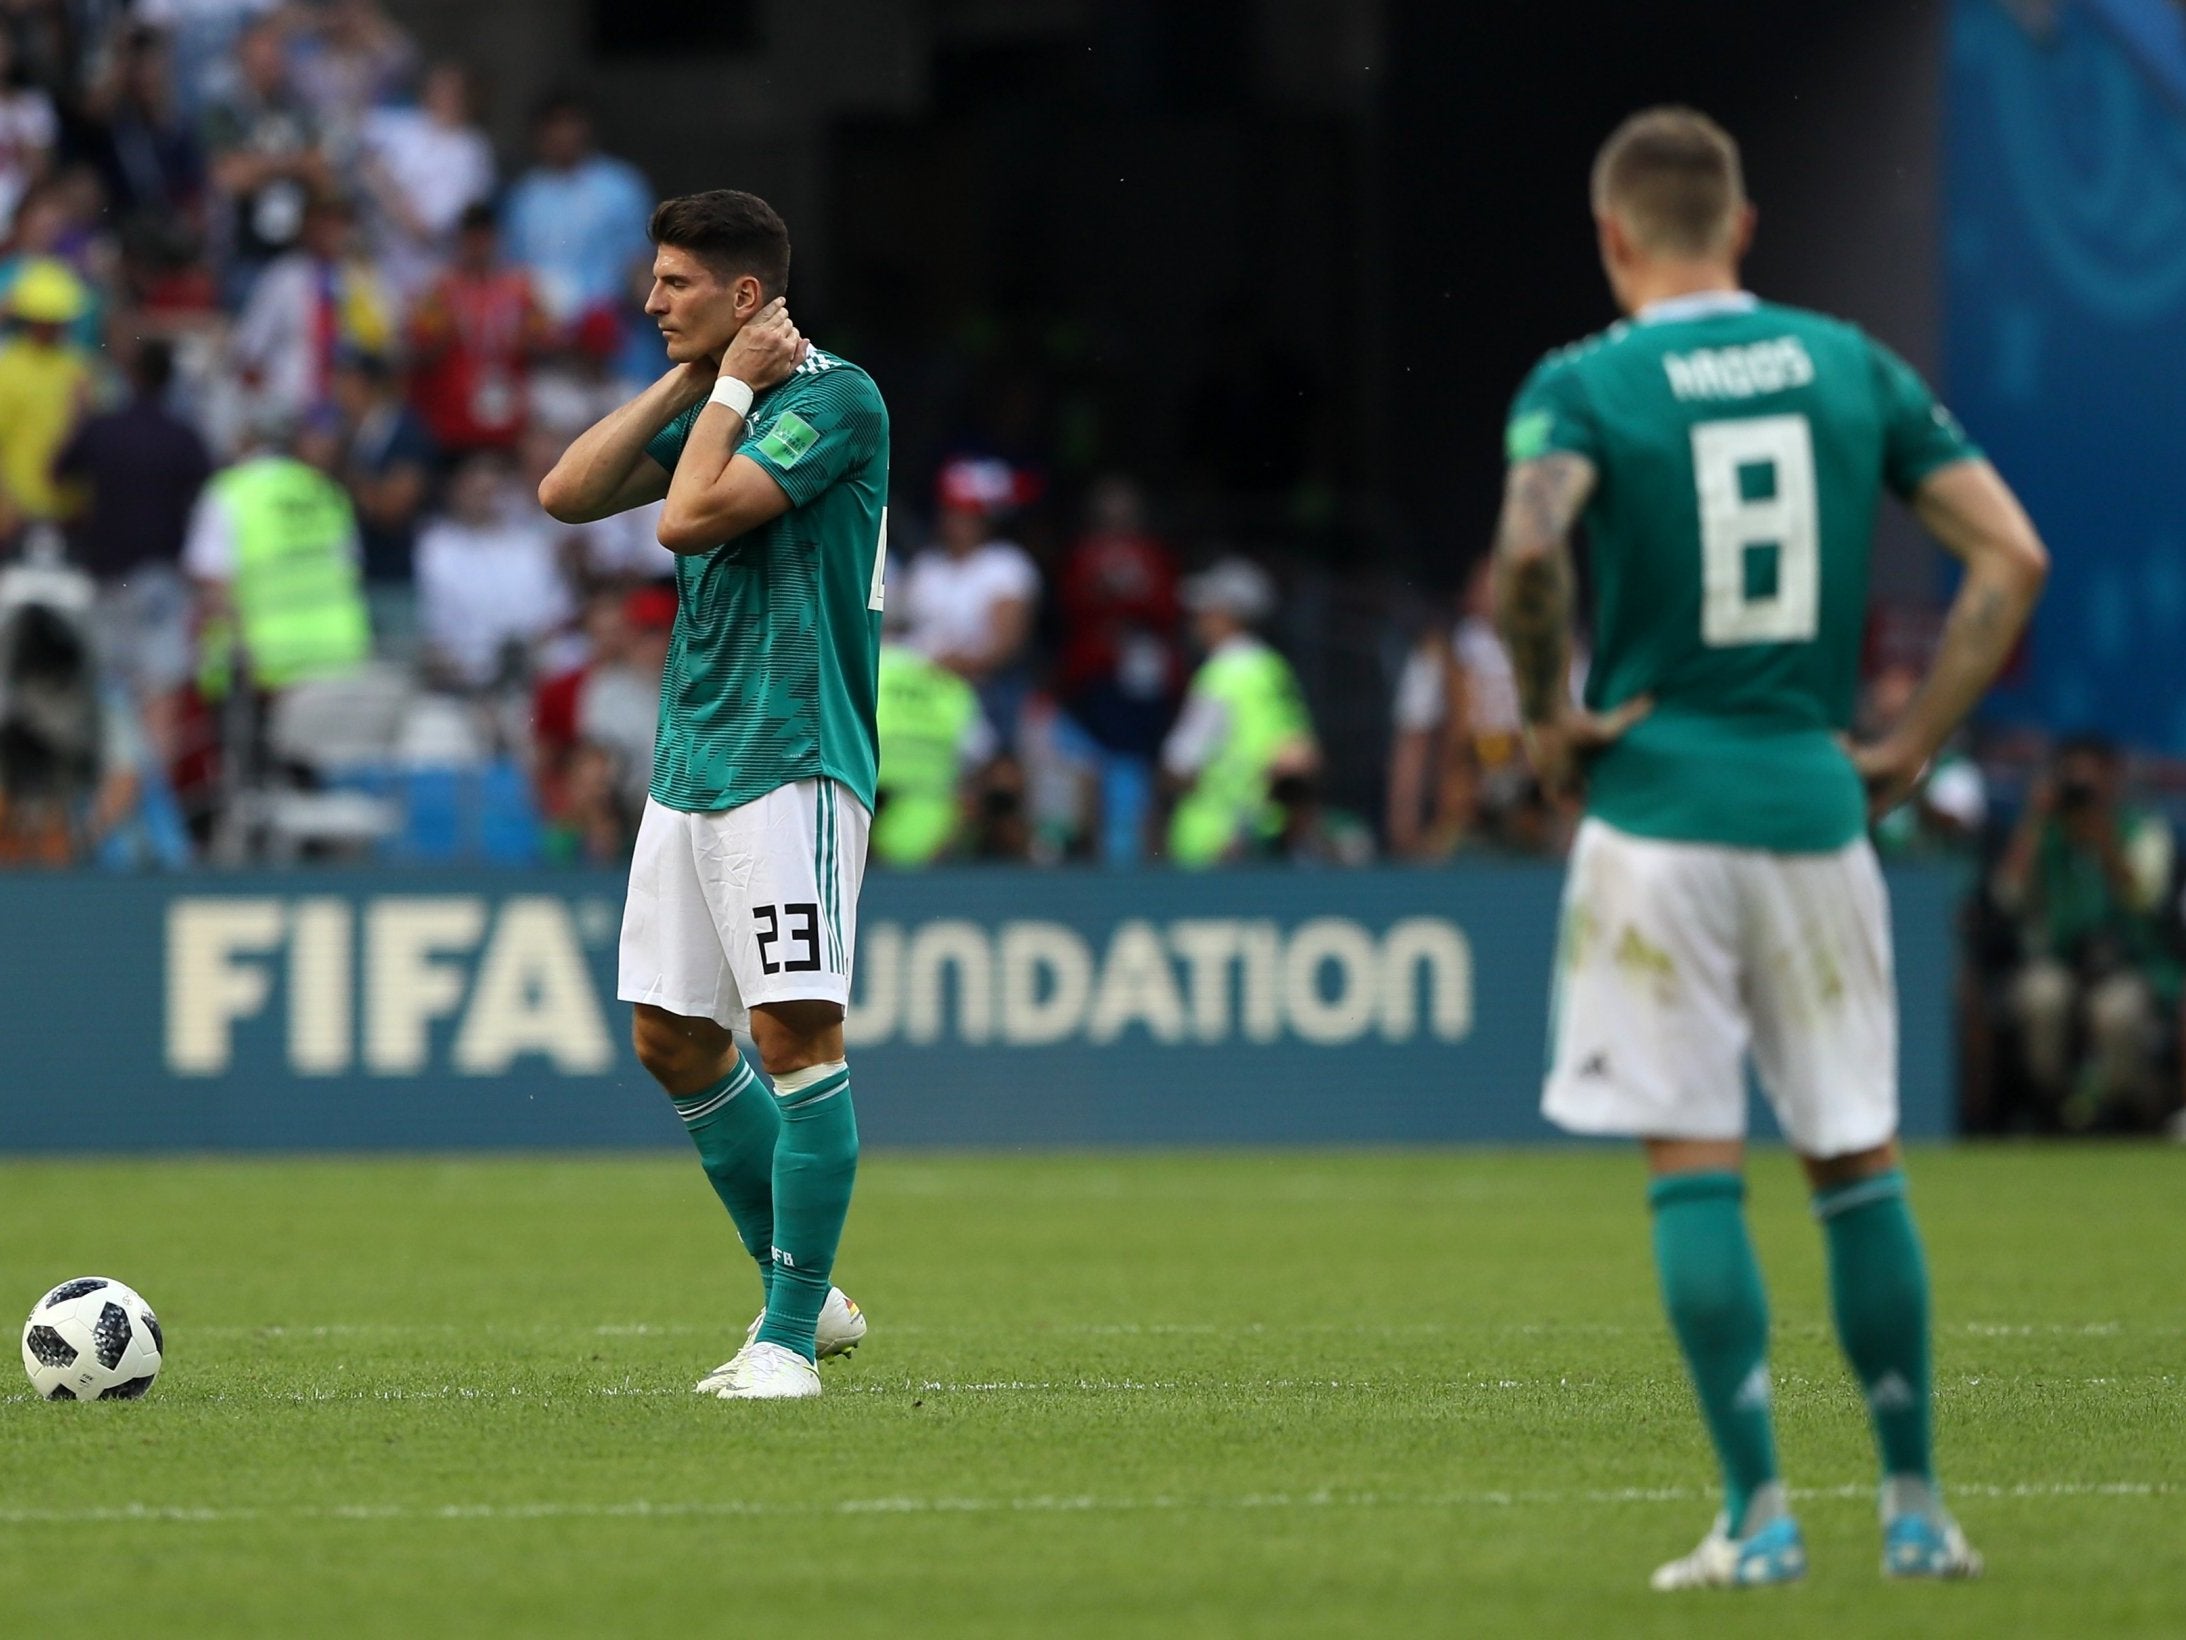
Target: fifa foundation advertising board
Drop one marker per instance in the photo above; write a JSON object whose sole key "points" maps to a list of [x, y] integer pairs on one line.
{"points": [[421, 1010]]}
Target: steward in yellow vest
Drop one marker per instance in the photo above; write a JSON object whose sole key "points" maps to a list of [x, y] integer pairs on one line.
{"points": [[1244, 717], [931, 730], [281, 538]]}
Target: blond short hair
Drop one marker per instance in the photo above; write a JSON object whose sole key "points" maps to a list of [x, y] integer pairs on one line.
{"points": [[1672, 177]]}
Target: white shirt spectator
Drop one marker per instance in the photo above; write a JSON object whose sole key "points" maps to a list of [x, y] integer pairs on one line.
{"points": [[277, 336], [439, 170], [619, 708], [949, 602], [621, 545], [484, 587], [28, 129], [1491, 686]]}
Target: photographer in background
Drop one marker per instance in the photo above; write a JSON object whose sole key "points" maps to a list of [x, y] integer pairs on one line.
{"points": [[2085, 877]]}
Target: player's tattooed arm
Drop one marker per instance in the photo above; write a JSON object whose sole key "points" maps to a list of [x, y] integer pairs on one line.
{"points": [[1542, 500]]}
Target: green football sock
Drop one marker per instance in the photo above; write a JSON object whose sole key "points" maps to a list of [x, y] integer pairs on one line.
{"points": [[1878, 1291], [1711, 1286], [815, 1164], [734, 1125]]}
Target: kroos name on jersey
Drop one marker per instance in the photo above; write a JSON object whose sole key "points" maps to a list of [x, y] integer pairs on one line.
{"points": [[1744, 372]]}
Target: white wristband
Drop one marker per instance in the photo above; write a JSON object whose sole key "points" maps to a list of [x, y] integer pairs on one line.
{"points": [[733, 393]]}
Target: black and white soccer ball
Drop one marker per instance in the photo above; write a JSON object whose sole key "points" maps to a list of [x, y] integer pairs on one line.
{"points": [[92, 1339]]}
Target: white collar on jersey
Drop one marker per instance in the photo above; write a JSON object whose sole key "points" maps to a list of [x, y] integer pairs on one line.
{"points": [[1701, 304]]}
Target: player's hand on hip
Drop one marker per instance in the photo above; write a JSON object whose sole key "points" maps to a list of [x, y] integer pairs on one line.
{"points": [[766, 350], [1561, 748], [1889, 769]]}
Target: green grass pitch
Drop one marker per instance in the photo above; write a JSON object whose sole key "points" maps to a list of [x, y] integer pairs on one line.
{"points": [[1283, 1393]]}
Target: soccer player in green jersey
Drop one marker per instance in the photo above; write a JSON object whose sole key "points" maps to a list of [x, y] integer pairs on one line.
{"points": [[772, 459], [1726, 457]]}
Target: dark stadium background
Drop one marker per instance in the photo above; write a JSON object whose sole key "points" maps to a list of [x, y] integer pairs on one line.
{"points": [[1283, 261]]}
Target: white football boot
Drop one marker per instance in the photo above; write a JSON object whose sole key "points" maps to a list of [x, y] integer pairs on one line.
{"points": [[770, 1372], [841, 1330], [1774, 1554]]}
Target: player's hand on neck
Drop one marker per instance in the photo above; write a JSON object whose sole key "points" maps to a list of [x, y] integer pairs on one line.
{"points": [[765, 348]]}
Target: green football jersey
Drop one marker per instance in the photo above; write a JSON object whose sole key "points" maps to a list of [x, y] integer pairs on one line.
{"points": [[771, 667], [1741, 450]]}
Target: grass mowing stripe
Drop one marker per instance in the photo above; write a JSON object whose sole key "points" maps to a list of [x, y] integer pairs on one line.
{"points": [[185, 1515]]}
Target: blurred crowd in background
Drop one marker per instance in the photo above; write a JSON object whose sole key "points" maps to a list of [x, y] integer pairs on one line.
{"points": [[289, 345]]}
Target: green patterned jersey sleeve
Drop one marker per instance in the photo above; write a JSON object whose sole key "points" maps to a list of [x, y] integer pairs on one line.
{"points": [[666, 446], [1918, 434], [1551, 414], [816, 431]]}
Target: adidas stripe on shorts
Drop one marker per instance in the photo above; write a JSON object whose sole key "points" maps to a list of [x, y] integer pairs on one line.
{"points": [[748, 905]]}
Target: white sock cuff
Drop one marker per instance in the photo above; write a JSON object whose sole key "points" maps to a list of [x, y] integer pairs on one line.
{"points": [[791, 1083]]}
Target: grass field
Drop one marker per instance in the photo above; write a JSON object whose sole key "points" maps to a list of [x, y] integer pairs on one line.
{"points": [[1251, 1394]]}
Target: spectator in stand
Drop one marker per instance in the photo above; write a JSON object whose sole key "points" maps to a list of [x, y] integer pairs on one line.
{"points": [[72, 769], [618, 706], [1243, 726], [2087, 878], [934, 741], [611, 551], [350, 57], [1002, 831], [1947, 810], [1458, 773], [265, 150], [970, 599], [593, 726], [45, 388], [57, 222], [577, 219], [427, 169], [387, 463], [473, 336], [273, 553], [590, 827], [489, 590], [29, 128], [1308, 832], [140, 469], [146, 150], [1120, 671], [582, 380], [605, 637], [308, 308], [204, 35]]}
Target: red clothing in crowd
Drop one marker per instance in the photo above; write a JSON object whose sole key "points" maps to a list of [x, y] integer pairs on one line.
{"points": [[1119, 606], [474, 335]]}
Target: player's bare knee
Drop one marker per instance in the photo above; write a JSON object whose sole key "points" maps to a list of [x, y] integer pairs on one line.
{"points": [[1828, 1172], [792, 1036], [682, 1055]]}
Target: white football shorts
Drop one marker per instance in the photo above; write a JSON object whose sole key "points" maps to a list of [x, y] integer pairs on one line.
{"points": [[745, 905], [1678, 959]]}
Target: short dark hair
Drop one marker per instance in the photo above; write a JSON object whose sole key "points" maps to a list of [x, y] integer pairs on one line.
{"points": [[1672, 176], [732, 232], [152, 365]]}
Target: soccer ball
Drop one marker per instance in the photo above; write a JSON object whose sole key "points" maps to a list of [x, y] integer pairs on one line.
{"points": [[91, 1339]]}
